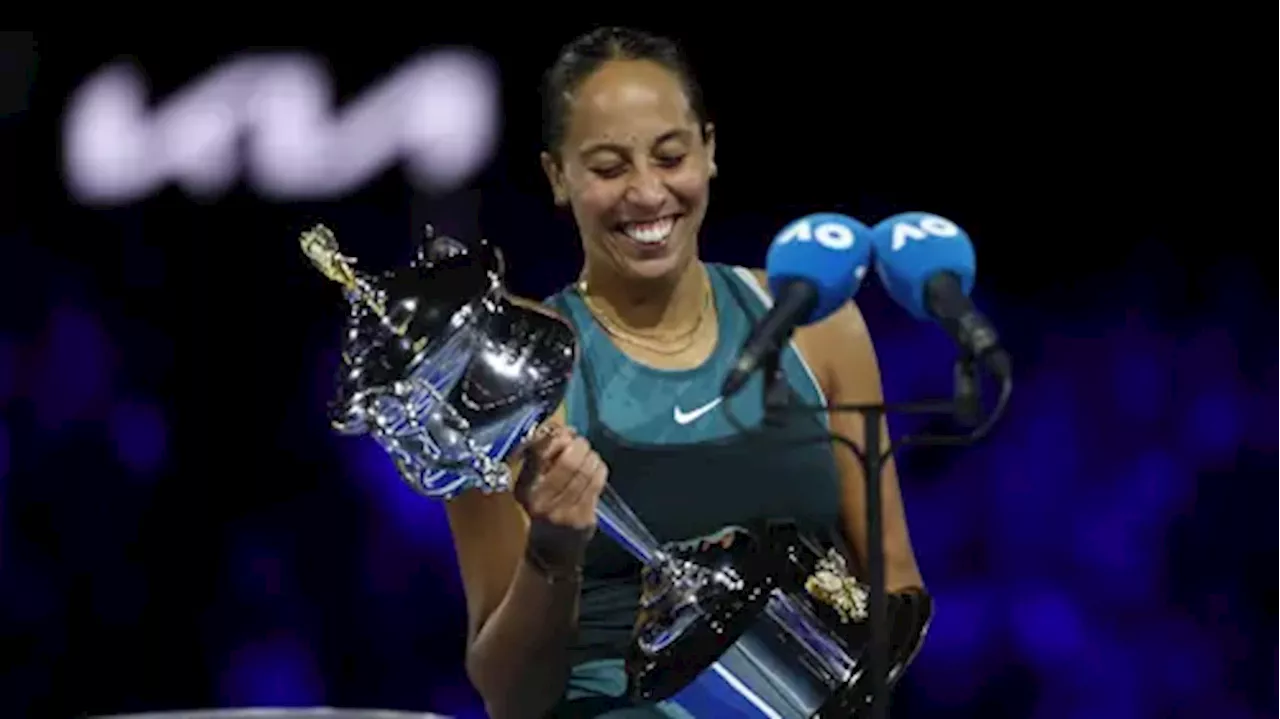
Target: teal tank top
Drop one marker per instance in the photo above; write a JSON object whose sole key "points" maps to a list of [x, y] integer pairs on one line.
{"points": [[678, 457], [676, 407]]}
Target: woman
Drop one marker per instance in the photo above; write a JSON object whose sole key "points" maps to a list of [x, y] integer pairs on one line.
{"points": [[629, 151]]}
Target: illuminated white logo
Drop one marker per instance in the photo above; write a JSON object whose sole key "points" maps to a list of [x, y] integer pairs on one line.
{"points": [[831, 235], [271, 117], [925, 227]]}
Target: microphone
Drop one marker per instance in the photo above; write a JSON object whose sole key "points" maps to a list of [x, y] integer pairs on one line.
{"points": [[814, 266], [927, 265]]}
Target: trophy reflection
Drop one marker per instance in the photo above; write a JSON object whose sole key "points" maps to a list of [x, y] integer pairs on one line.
{"points": [[440, 367], [451, 376]]}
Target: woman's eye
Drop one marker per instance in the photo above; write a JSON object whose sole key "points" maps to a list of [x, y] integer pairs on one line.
{"points": [[609, 172], [670, 161]]}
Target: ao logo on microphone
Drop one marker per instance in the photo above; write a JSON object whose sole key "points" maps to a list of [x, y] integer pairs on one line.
{"points": [[830, 234], [921, 227], [271, 118]]}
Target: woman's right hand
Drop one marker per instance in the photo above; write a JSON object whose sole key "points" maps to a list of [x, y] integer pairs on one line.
{"points": [[559, 487]]}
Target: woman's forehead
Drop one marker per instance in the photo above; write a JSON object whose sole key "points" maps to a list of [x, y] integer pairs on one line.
{"points": [[628, 102]]}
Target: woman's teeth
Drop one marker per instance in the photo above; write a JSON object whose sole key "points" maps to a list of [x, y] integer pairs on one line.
{"points": [[649, 232]]}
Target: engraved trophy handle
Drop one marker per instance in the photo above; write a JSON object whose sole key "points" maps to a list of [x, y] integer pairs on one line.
{"points": [[321, 247]]}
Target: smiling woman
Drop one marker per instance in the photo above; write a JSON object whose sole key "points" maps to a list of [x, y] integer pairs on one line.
{"points": [[629, 150], [632, 160]]}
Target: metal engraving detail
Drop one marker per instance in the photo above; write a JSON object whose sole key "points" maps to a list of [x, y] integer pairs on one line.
{"points": [[444, 370]]}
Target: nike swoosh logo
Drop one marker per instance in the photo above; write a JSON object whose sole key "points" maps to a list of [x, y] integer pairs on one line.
{"points": [[687, 417]]}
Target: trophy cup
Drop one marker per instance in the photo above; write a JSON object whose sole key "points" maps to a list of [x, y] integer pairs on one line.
{"points": [[450, 376], [445, 372]]}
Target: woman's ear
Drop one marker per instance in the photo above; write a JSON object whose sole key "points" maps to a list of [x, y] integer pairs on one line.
{"points": [[555, 177]]}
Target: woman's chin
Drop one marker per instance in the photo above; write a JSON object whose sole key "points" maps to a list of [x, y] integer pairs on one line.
{"points": [[653, 265], [647, 273]]}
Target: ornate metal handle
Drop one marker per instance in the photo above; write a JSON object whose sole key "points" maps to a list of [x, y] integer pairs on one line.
{"points": [[321, 247]]}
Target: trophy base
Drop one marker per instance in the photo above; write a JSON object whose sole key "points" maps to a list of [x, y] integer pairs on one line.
{"points": [[783, 667], [677, 638], [769, 651]]}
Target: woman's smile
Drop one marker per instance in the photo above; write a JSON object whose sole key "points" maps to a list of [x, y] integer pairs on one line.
{"points": [[648, 238]]}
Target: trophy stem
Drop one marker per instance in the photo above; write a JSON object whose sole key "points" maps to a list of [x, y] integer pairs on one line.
{"points": [[624, 527]]}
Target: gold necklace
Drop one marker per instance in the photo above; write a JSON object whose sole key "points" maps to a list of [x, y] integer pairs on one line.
{"points": [[651, 343]]}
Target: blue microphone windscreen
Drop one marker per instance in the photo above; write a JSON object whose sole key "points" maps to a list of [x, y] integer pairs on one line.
{"points": [[829, 250], [911, 248]]}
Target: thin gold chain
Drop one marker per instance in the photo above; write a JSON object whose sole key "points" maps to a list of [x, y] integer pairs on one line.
{"points": [[648, 342]]}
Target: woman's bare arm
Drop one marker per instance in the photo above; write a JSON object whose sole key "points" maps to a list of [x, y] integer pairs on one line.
{"points": [[841, 351], [521, 617], [519, 623]]}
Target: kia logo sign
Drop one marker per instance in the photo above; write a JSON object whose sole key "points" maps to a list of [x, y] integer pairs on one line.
{"points": [[271, 120]]}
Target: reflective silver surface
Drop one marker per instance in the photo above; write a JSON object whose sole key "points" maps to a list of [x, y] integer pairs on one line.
{"points": [[445, 371], [785, 666], [788, 663], [675, 589]]}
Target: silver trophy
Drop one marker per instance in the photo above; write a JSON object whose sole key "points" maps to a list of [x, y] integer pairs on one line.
{"points": [[440, 366], [450, 375]]}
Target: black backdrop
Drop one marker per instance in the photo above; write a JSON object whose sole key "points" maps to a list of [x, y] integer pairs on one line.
{"points": [[179, 528]]}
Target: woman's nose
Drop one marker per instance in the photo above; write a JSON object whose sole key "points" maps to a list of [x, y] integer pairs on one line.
{"points": [[646, 189]]}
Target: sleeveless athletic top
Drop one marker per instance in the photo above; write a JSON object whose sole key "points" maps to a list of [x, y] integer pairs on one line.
{"points": [[680, 461]]}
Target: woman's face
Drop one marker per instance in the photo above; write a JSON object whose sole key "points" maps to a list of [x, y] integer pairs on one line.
{"points": [[635, 170]]}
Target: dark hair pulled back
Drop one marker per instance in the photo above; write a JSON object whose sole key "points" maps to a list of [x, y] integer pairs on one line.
{"points": [[585, 54]]}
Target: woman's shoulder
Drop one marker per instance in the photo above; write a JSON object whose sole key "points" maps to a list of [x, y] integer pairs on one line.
{"points": [[847, 318]]}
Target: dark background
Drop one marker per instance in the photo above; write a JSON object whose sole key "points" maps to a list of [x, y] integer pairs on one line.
{"points": [[179, 527]]}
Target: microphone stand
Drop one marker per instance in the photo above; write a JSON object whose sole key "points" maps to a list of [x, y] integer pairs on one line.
{"points": [[964, 406], [878, 637], [775, 386]]}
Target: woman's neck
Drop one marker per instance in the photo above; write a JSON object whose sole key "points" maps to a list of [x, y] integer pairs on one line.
{"points": [[654, 306]]}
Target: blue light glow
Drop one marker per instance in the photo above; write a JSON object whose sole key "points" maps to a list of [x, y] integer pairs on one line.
{"points": [[76, 368], [417, 519], [914, 362], [139, 433], [966, 619], [1212, 427], [1156, 486], [1048, 628], [274, 671], [1141, 386]]}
